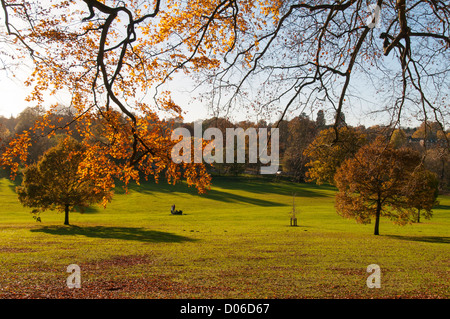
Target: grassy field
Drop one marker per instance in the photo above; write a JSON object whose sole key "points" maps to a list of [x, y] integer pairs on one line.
{"points": [[234, 242]]}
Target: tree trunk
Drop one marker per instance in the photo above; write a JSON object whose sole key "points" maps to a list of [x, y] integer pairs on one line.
{"points": [[377, 217], [66, 215], [418, 215]]}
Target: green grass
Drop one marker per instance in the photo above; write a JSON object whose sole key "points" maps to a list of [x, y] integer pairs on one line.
{"points": [[234, 242]]}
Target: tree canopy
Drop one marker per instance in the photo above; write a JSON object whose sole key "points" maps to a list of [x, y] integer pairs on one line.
{"points": [[381, 180], [326, 154], [56, 181], [422, 192]]}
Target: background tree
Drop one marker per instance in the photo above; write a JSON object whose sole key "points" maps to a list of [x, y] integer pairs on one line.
{"points": [[55, 181], [422, 191], [320, 120], [371, 184], [25, 122], [340, 120], [398, 138], [4, 135], [301, 133], [434, 146], [326, 153], [283, 127], [429, 130], [437, 160]]}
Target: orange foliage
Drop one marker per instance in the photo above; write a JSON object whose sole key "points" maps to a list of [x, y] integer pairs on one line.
{"points": [[125, 138]]}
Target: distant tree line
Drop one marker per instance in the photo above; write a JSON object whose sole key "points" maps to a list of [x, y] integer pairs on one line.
{"points": [[302, 141]]}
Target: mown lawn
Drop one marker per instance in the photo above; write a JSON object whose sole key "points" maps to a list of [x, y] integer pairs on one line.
{"points": [[234, 242]]}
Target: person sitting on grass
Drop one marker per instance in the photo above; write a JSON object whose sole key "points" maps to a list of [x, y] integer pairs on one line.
{"points": [[173, 211]]}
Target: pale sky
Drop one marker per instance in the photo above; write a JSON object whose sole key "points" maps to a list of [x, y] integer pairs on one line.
{"points": [[13, 93]]}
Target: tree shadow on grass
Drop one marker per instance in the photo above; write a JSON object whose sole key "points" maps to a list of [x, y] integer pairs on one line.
{"points": [[230, 197], [109, 232], [86, 210], [426, 239], [443, 207], [224, 185], [14, 183], [261, 185], [179, 189]]}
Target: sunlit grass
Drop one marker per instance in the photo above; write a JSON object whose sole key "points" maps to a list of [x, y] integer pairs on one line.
{"points": [[234, 242]]}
